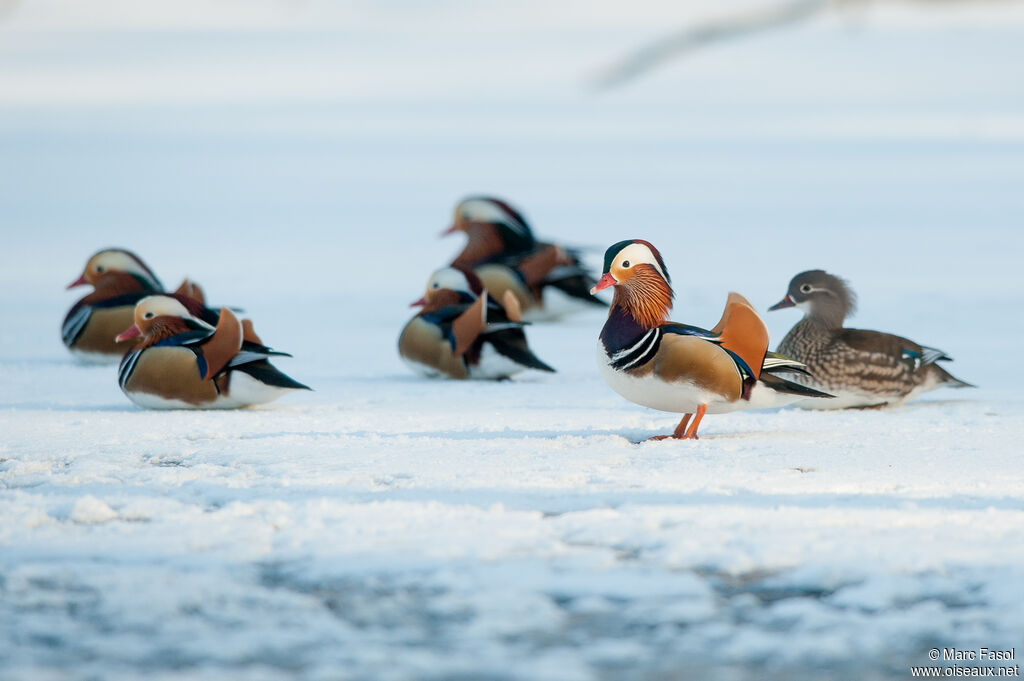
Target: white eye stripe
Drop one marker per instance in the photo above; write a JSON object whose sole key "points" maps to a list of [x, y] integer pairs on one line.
{"points": [[639, 254], [450, 278]]}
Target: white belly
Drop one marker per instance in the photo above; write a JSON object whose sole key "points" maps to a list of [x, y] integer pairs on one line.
{"points": [[493, 365], [683, 397]]}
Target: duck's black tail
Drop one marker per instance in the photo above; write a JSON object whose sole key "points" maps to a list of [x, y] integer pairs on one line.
{"points": [[265, 372], [782, 385], [512, 344]]}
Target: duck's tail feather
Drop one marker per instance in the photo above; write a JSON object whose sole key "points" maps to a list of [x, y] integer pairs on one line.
{"points": [[265, 372], [774, 362], [781, 385], [512, 344]]}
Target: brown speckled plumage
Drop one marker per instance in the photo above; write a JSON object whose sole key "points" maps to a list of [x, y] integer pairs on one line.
{"points": [[871, 368]]}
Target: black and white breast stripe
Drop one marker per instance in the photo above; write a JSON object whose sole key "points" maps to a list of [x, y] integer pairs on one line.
{"points": [[124, 372], [638, 353], [74, 324]]}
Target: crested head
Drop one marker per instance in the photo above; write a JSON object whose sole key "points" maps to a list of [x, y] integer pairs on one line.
{"points": [[479, 211], [459, 279], [450, 286], [822, 296], [642, 283], [116, 260], [632, 252], [161, 315]]}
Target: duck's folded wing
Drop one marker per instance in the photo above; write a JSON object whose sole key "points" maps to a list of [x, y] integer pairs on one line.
{"points": [[896, 348], [712, 337], [688, 330], [222, 346]]}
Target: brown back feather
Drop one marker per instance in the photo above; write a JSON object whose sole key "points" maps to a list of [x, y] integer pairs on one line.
{"points": [[223, 345]]}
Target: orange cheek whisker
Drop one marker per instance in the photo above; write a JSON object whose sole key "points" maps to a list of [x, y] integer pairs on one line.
{"points": [[647, 297]]}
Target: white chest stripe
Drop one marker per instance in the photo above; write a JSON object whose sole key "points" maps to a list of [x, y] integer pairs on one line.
{"points": [[638, 353], [74, 325]]}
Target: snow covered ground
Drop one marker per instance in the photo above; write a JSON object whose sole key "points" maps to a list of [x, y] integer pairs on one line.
{"points": [[299, 162]]}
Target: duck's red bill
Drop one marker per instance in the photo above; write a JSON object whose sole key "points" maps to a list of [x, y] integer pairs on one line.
{"points": [[418, 303], [604, 282], [131, 332], [78, 282]]}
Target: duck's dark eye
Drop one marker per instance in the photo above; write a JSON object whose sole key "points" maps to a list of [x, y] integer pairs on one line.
{"points": [[806, 288], [625, 263], [435, 285], [99, 268], [148, 315]]}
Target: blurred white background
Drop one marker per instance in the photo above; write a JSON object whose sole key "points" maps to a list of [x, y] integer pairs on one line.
{"points": [[283, 149]]}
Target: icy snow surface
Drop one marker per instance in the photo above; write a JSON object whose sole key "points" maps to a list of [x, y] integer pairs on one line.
{"points": [[390, 527]]}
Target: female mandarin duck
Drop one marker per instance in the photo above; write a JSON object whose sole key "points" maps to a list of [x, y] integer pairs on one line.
{"points": [[862, 368], [182, 362], [120, 280], [676, 367], [545, 279], [462, 332]]}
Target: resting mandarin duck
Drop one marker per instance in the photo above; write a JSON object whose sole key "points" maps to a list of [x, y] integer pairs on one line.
{"points": [[120, 280], [545, 278], [180, 361], [462, 332], [862, 368], [680, 368]]}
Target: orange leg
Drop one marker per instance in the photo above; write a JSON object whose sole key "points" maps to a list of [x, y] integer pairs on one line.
{"points": [[691, 432], [680, 431]]}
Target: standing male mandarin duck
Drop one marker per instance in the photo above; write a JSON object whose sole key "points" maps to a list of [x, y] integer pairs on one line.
{"points": [[503, 252], [680, 368], [120, 280], [182, 362], [462, 332], [862, 368]]}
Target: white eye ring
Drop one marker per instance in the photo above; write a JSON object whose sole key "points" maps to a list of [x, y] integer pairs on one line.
{"points": [[806, 288], [148, 315], [625, 263]]}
